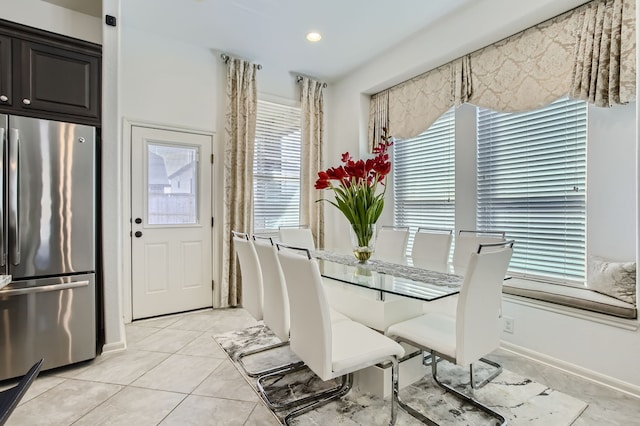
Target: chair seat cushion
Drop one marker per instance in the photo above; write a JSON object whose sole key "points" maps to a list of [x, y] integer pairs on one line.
{"points": [[435, 331], [355, 346], [337, 316]]}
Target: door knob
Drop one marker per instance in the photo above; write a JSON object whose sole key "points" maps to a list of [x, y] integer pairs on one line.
{"points": [[3, 98], [138, 234], [138, 220]]}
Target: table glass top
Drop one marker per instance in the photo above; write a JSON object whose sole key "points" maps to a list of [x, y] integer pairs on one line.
{"points": [[388, 277]]}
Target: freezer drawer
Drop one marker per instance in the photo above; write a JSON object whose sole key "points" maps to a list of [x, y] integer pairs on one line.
{"points": [[52, 318]]}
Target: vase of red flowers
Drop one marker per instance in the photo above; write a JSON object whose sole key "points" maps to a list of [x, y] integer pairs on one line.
{"points": [[355, 185]]}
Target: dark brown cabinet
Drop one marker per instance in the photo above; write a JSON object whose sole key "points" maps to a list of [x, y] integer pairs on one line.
{"points": [[5, 71], [58, 80], [49, 76]]}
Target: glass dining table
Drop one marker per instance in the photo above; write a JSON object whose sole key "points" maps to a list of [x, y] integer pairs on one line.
{"points": [[396, 278], [379, 294]]}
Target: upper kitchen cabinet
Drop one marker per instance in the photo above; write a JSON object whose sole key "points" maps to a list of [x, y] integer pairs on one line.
{"points": [[47, 75], [5, 71]]}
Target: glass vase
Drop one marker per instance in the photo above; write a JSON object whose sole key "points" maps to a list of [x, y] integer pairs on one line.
{"points": [[363, 241]]}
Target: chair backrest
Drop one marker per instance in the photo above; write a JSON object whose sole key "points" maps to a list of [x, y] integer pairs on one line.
{"points": [[478, 324], [467, 242], [275, 304], [297, 237], [251, 274], [310, 318], [10, 398], [391, 243], [431, 248]]}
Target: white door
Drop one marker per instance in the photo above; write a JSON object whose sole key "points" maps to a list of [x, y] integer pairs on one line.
{"points": [[170, 221]]}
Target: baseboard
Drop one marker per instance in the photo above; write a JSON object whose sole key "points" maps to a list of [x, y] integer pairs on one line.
{"points": [[114, 347], [593, 376]]}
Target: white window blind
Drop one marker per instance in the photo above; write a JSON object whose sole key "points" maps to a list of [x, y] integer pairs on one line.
{"points": [[424, 178], [531, 184], [276, 167]]}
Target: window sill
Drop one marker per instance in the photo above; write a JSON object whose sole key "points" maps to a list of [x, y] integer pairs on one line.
{"points": [[576, 302]]}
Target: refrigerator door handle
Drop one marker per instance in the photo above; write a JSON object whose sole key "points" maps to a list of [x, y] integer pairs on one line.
{"points": [[43, 288], [3, 254], [14, 158]]}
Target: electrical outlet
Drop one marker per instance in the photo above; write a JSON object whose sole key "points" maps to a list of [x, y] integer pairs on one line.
{"points": [[508, 324]]}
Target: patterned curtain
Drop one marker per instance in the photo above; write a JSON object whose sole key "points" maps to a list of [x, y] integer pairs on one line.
{"points": [[416, 104], [604, 39], [240, 131], [378, 117], [527, 70], [588, 53], [312, 102]]}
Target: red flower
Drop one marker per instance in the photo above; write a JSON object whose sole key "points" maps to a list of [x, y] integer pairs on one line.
{"points": [[337, 173], [322, 184], [382, 168], [356, 191]]}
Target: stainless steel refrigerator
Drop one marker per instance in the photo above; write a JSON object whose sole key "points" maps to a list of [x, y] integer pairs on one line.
{"points": [[47, 243]]}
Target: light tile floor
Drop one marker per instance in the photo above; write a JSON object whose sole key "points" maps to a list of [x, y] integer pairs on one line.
{"points": [[174, 373]]}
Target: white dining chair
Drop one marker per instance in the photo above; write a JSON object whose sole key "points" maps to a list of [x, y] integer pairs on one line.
{"points": [[467, 242], [473, 332], [329, 349], [276, 317], [297, 236], [431, 248], [391, 243], [251, 274]]}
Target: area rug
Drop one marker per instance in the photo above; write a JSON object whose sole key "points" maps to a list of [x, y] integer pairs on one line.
{"points": [[521, 400]]}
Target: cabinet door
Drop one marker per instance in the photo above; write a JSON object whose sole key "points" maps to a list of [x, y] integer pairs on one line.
{"points": [[59, 80], [5, 70]]}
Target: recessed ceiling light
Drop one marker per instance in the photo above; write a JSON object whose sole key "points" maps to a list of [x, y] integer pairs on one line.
{"points": [[313, 37]]}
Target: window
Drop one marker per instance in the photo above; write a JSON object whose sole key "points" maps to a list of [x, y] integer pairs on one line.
{"points": [[424, 177], [172, 175], [531, 184], [276, 167]]}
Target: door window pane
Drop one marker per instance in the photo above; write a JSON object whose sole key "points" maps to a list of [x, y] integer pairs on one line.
{"points": [[172, 185]]}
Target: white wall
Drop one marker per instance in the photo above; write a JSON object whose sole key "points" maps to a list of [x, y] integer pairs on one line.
{"points": [[598, 348], [47, 16], [170, 83]]}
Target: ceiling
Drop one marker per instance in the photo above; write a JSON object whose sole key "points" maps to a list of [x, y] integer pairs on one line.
{"points": [[88, 7], [272, 32]]}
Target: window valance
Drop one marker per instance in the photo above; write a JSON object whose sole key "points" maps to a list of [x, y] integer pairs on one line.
{"points": [[588, 53]]}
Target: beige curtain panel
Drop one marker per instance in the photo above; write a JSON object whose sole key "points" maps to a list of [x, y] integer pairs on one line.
{"points": [[587, 53], [603, 71], [312, 104], [416, 104], [525, 71], [378, 118], [240, 132]]}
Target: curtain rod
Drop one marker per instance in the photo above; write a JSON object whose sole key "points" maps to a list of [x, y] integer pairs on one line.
{"points": [[226, 58], [299, 79]]}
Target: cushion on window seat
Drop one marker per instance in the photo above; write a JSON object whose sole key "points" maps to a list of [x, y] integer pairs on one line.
{"points": [[575, 297]]}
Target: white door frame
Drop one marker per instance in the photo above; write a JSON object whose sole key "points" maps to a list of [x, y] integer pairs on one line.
{"points": [[127, 303]]}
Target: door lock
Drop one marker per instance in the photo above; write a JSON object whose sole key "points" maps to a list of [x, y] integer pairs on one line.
{"points": [[138, 220], [138, 234]]}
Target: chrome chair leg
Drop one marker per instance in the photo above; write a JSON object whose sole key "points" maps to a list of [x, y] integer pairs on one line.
{"points": [[323, 398], [496, 373], [427, 360], [395, 366], [276, 406], [466, 398], [243, 355]]}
